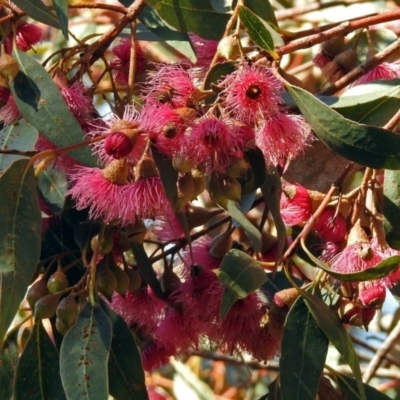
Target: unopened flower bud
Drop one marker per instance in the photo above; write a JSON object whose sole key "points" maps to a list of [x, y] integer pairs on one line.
{"points": [[135, 280], [347, 59], [220, 245], [283, 301], [333, 46], [9, 67], [136, 232], [117, 145], [237, 168], [46, 306], [121, 277], [62, 327], [57, 281], [185, 186], [199, 180], [228, 47], [105, 280], [350, 312], [36, 292], [169, 281], [182, 164]]}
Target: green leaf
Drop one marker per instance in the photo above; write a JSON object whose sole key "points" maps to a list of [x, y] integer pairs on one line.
{"points": [[168, 174], [366, 145], [374, 103], [271, 190], [125, 371], [348, 387], [20, 222], [146, 269], [84, 355], [197, 16], [256, 160], [38, 372], [240, 275], [252, 232], [380, 270], [329, 322], [263, 9], [21, 136], [61, 9], [38, 11], [178, 40], [391, 208], [8, 364], [217, 72], [304, 350], [41, 103], [53, 186], [258, 31], [274, 391]]}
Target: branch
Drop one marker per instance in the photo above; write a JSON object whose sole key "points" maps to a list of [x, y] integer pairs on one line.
{"points": [[342, 29]]}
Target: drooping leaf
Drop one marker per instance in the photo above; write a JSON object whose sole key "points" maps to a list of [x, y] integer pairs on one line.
{"points": [[168, 175], [391, 208], [256, 160], [304, 350], [37, 10], [41, 103], [20, 221], [271, 190], [252, 232], [21, 136], [187, 385], [84, 355], [38, 371], [380, 270], [146, 269], [274, 391], [61, 9], [8, 364], [348, 388], [197, 16], [178, 40], [367, 145], [329, 322], [240, 275], [258, 31], [125, 371], [263, 9], [53, 187]]}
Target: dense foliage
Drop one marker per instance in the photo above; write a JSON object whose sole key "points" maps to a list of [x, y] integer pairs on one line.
{"points": [[176, 187]]}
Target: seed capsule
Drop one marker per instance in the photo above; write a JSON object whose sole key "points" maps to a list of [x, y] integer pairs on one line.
{"points": [[36, 292], [46, 306]]}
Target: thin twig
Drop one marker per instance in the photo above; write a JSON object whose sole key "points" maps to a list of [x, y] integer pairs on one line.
{"points": [[379, 356]]}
